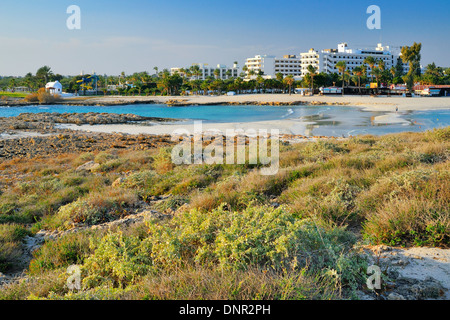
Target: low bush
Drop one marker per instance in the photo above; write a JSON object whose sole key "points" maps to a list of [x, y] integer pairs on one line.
{"points": [[11, 236], [94, 208]]}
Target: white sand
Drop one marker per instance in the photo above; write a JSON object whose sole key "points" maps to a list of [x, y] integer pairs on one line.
{"points": [[391, 118], [428, 262], [381, 103], [284, 127], [22, 134]]}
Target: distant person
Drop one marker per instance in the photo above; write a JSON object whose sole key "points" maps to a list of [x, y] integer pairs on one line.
{"points": [[396, 109]]}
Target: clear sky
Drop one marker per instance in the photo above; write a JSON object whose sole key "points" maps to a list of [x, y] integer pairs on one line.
{"points": [[137, 35]]}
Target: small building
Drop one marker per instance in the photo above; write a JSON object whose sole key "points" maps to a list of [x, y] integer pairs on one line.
{"points": [[54, 87]]}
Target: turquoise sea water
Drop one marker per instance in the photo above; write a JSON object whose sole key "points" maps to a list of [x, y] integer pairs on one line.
{"points": [[320, 120]]}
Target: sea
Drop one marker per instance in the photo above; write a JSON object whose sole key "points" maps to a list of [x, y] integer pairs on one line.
{"points": [[340, 121]]}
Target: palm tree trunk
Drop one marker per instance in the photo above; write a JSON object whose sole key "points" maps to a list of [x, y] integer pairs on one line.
{"points": [[359, 85]]}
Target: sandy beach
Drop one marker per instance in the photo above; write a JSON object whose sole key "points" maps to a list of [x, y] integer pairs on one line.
{"points": [[379, 103]]}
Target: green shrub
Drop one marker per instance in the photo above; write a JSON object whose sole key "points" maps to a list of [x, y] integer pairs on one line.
{"points": [[139, 180], [256, 237], [11, 236], [94, 208], [105, 156], [117, 261], [61, 253]]}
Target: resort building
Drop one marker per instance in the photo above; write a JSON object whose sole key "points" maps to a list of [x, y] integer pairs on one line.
{"points": [[355, 57], [270, 66], [205, 71], [312, 57], [289, 65], [261, 63]]}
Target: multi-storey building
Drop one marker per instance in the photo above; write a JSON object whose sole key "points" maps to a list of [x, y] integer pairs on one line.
{"points": [[261, 63], [204, 72], [288, 65], [326, 60], [270, 66], [312, 57], [355, 57]]}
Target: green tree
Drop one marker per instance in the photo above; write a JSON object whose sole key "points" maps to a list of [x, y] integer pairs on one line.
{"points": [[358, 72], [342, 66], [279, 76], [44, 73], [289, 81], [376, 72], [217, 73], [312, 72], [411, 55], [371, 62]]}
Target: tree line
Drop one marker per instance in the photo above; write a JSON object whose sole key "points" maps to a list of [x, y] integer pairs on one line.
{"points": [[186, 81]]}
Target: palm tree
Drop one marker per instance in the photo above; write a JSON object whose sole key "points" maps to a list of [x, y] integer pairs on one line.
{"points": [[370, 61], [358, 71], [377, 73], [12, 84], [204, 86], [279, 76], [156, 70], [245, 70], [381, 65], [44, 73], [289, 80], [217, 73], [312, 72], [260, 81], [342, 66]]}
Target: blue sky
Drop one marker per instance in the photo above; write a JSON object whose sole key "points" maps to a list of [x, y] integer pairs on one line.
{"points": [[136, 35]]}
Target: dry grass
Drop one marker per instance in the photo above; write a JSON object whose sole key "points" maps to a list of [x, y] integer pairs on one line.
{"points": [[392, 189]]}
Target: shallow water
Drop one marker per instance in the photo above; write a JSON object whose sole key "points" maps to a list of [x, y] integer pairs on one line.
{"points": [[319, 120]]}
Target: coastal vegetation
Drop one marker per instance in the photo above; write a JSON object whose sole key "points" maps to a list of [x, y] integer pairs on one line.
{"points": [[223, 231]]}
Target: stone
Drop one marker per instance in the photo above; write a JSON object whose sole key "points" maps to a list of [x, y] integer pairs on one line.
{"points": [[430, 288], [395, 296], [400, 262], [88, 166], [118, 182]]}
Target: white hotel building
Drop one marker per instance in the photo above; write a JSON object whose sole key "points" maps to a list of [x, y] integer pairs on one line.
{"points": [[225, 72], [324, 61], [271, 65], [355, 58]]}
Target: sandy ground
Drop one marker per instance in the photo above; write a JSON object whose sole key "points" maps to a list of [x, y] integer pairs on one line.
{"points": [[380, 103], [428, 262], [283, 127], [417, 263], [22, 134]]}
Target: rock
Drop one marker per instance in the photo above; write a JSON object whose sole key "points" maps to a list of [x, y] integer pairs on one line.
{"points": [[395, 296], [2, 278], [400, 262], [416, 289], [88, 166], [429, 288], [118, 182]]}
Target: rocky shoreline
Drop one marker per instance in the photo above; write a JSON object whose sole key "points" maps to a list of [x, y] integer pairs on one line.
{"points": [[37, 134]]}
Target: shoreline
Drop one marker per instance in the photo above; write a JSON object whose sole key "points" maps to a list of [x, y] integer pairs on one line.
{"points": [[369, 103]]}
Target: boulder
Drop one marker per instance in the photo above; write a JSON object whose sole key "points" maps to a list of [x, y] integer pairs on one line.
{"points": [[88, 166]]}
